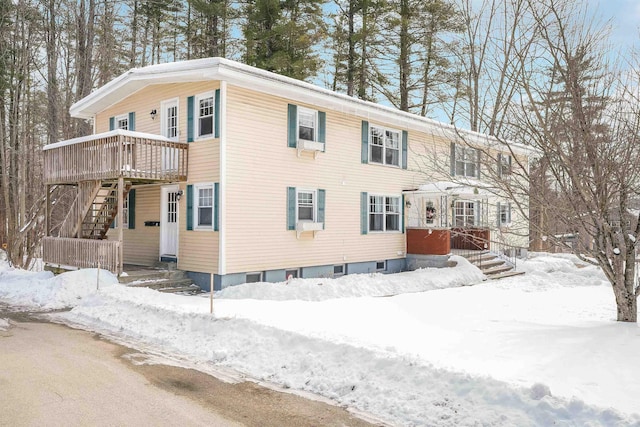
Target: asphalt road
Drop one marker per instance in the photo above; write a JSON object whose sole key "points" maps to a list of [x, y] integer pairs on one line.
{"points": [[57, 376]]}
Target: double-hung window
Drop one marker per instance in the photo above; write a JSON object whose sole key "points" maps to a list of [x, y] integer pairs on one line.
{"points": [[384, 213], [203, 208], [465, 213], [504, 214], [204, 115], [306, 206], [504, 165], [384, 146], [122, 122], [307, 124], [466, 161], [170, 119]]}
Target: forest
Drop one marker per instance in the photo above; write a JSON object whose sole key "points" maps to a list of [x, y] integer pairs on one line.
{"points": [[541, 73]]}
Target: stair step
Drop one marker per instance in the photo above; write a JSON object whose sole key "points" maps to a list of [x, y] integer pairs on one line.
{"points": [[153, 275], [498, 270], [164, 285], [506, 274], [473, 254], [191, 289], [486, 265]]}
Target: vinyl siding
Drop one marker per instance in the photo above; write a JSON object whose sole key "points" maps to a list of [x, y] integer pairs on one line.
{"points": [[142, 244], [260, 168]]}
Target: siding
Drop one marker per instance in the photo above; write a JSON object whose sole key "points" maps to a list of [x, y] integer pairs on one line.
{"points": [[261, 167], [142, 244]]}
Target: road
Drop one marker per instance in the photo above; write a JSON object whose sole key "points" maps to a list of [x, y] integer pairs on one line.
{"points": [[57, 376]]}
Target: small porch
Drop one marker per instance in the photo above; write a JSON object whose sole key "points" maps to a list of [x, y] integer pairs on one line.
{"points": [[102, 169]]}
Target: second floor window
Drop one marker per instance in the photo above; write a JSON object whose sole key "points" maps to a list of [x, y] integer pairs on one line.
{"points": [[205, 115], [307, 124], [466, 162], [122, 122], [384, 146]]}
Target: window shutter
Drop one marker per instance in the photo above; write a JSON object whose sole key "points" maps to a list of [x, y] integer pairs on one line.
{"points": [[132, 123], [499, 221], [500, 164], [479, 153], [216, 208], [112, 123], [291, 208], [292, 128], [189, 207], [365, 142], [321, 201], [216, 111], [132, 209], [405, 140], [509, 212], [477, 209], [453, 159], [190, 128], [402, 214], [322, 127], [364, 213]]}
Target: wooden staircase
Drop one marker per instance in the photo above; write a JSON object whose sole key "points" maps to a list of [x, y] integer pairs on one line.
{"points": [[93, 210], [491, 265]]}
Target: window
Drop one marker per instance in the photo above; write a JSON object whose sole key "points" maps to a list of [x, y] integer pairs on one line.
{"points": [[203, 208], [381, 265], [291, 274], [466, 161], [307, 124], [204, 115], [338, 270], [170, 119], [254, 277], [504, 214], [465, 213], [122, 122], [504, 164], [430, 212], [384, 213], [125, 213], [306, 206], [384, 146]]}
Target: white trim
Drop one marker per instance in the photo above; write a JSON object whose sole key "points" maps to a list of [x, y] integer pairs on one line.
{"points": [[164, 105], [119, 117], [384, 145], [196, 115], [196, 199], [316, 128], [297, 91], [384, 213], [222, 198], [164, 190], [314, 205], [115, 132]]}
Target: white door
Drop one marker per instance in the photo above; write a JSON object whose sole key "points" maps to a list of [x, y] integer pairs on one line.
{"points": [[169, 222]]}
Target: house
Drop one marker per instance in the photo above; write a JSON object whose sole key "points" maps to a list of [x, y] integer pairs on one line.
{"points": [[242, 175]]}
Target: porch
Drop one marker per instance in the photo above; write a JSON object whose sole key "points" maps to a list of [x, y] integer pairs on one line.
{"points": [[102, 170]]}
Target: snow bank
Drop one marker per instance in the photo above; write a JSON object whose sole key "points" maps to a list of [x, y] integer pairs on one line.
{"points": [[44, 291], [4, 324], [403, 390], [359, 285]]}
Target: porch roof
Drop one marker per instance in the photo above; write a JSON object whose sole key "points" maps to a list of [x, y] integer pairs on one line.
{"points": [[470, 188]]}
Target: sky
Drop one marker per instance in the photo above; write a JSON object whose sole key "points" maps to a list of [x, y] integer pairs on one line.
{"points": [[624, 16]]}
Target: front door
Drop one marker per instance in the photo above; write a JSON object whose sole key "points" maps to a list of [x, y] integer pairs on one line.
{"points": [[169, 222]]}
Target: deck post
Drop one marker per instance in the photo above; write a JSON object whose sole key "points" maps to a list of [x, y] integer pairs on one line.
{"points": [[47, 211], [120, 223]]}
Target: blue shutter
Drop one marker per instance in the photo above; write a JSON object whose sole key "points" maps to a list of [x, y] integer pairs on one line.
{"points": [[190, 107], [499, 164], [216, 206], [405, 139], [292, 127], [132, 209], [402, 213], [365, 142], [132, 121], [509, 212], [112, 123], [453, 159], [498, 208], [321, 202], [291, 208], [216, 112], [189, 207], [322, 128], [478, 161], [364, 213]]}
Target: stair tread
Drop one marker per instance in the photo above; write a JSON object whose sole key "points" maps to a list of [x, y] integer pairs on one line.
{"points": [[507, 274], [496, 270]]}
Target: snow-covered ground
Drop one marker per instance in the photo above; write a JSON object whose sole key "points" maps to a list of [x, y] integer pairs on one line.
{"points": [[416, 348]]}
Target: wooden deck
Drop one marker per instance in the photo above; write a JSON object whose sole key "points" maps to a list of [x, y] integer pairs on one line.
{"points": [[134, 156]]}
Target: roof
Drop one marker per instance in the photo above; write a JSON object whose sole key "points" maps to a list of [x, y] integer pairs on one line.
{"points": [[470, 188], [264, 81]]}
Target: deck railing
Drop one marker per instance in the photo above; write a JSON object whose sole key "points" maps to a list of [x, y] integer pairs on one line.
{"points": [[116, 154], [82, 253]]}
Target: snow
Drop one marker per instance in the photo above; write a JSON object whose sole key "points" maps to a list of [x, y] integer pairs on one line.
{"points": [[414, 348], [4, 324]]}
